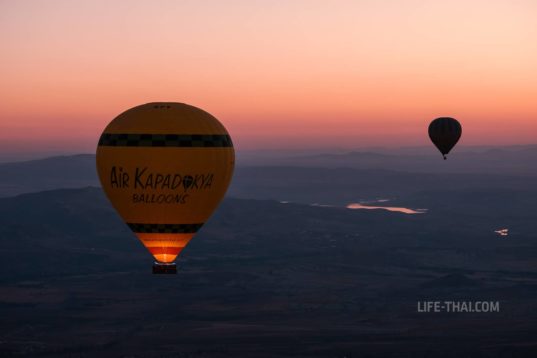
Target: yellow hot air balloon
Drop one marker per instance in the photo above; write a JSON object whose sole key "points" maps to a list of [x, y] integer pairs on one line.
{"points": [[165, 167]]}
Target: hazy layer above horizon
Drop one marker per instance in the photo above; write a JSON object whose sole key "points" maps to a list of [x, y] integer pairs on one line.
{"points": [[246, 156]]}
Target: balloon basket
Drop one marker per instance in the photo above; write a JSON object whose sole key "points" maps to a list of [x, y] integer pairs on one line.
{"points": [[164, 268]]}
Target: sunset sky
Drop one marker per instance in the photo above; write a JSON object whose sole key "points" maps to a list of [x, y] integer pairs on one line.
{"points": [[278, 74]]}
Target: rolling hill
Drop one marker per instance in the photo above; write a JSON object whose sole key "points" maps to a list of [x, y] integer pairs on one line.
{"points": [[297, 280]]}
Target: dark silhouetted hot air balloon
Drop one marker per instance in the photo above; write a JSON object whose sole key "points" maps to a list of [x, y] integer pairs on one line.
{"points": [[445, 132], [165, 167]]}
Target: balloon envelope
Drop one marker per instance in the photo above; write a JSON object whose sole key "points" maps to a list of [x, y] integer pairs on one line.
{"points": [[445, 132], [165, 167]]}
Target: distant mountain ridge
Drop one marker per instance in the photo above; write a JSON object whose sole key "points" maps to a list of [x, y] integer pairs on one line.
{"points": [[511, 161], [337, 184], [45, 174]]}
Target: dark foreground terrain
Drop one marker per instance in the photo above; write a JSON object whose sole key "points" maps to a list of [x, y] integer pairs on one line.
{"points": [[265, 279]]}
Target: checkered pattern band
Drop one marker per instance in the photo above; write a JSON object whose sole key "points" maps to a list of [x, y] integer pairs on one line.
{"points": [[165, 228], [165, 140]]}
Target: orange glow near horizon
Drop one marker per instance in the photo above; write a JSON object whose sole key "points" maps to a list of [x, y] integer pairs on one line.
{"points": [[291, 75]]}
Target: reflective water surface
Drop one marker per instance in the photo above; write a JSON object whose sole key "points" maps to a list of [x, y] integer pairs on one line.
{"points": [[502, 232], [357, 206]]}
